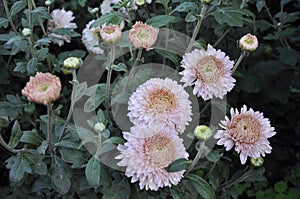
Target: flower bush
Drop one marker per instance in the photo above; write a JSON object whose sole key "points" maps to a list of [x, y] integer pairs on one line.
{"points": [[148, 99]]}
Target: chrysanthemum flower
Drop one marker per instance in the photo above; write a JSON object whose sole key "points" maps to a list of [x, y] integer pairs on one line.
{"points": [[43, 88], [209, 71], [147, 153], [106, 7], [111, 33], [248, 131], [160, 101], [248, 42], [142, 35], [91, 38], [61, 19]]}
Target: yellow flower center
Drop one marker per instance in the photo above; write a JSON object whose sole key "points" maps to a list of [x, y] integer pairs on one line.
{"points": [[208, 69], [43, 87], [143, 35], [96, 33], [159, 150], [109, 30], [248, 40], [161, 100], [245, 129]]}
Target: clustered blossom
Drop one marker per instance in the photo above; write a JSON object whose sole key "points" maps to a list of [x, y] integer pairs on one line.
{"points": [[61, 19], [248, 42], [248, 131], [111, 34], [146, 154], [91, 38], [209, 71], [43, 88], [142, 35], [160, 102]]}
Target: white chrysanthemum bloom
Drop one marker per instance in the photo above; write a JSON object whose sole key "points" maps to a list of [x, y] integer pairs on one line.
{"points": [[209, 71], [142, 35], [162, 102], [148, 152], [248, 42], [106, 7], [111, 33], [61, 19], [91, 38], [248, 131]]}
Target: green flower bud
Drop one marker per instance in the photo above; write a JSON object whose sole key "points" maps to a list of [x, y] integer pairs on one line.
{"points": [[206, 1], [26, 32], [140, 2], [48, 2], [257, 162], [202, 132], [99, 127], [72, 63]]}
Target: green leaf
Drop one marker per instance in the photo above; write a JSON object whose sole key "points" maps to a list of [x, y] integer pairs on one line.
{"points": [[260, 4], [41, 12], [31, 66], [190, 17], [231, 16], [4, 121], [4, 22], [101, 116], [42, 53], [174, 194], [281, 186], [186, 7], [60, 174], [43, 41], [74, 53], [86, 136], [201, 186], [17, 7], [92, 172], [18, 165], [31, 137], [112, 17], [68, 144], [120, 67], [21, 67], [16, 134], [73, 156], [79, 91], [12, 108], [66, 31], [36, 163], [82, 2], [121, 190], [160, 20], [179, 165], [213, 156], [42, 148], [96, 98], [171, 56]]}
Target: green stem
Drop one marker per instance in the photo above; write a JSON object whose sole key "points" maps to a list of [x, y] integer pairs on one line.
{"points": [[39, 19], [196, 159], [30, 40], [108, 79], [7, 147], [243, 54], [197, 28], [75, 82], [222, 37], [49, 128], [9, 17]]}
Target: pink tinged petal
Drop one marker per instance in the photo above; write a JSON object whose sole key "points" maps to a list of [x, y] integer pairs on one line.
{"points": [[243, 158]]}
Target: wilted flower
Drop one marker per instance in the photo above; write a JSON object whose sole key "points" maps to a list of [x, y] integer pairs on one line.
{"points": [[209, 70], [248, 131], [248, 42], [202, 132], [142, 35], [148, 152], [43, 88], [61, 19], [26, 32], [72, 63], [91, 38], [110, 34], [160, 101]]}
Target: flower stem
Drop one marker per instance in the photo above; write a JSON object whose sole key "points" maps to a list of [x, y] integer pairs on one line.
{"points": [[243, 54], [75, 82], [222, 37], [108, 79], [7, 147], [49, 128], [197, 28], [9, 17], [196, 159]]}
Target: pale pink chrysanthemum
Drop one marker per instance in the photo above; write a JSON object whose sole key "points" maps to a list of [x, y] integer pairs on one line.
{"points": [[61, 19], [148, 152], [248, 42], [43, 88], [162, 102], [111, 33], [142, 35], [209, 71], [91, 38], [248, 131]]}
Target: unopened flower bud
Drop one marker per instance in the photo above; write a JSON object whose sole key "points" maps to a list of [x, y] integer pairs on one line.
{"points": [[140, 2], [26, 32], [206, 1], [99, 127], [72, 63], [202, 132], [48, 2], [111, 34], [94, 10], [257, 162], [248, 42]]}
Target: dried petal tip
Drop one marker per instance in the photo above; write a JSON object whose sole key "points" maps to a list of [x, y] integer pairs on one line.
{"points": [[248, 42], [202, 132], [142, 35], [111, 34], [257, 162], [72, 63], [43, 88], [26, 32]]}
